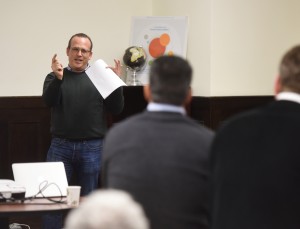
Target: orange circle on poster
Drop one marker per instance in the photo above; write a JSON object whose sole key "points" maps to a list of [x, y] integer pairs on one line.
{"points": [[164, 39], [155, 48]]}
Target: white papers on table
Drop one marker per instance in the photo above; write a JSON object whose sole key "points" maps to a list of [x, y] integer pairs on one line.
{"points": [[104, 79]]}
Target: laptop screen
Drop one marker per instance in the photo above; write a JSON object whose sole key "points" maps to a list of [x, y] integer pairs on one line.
{"points": [[49, 178]]}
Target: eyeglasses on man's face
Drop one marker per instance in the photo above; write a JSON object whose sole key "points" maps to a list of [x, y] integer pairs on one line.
{"points": [[76, 50]]}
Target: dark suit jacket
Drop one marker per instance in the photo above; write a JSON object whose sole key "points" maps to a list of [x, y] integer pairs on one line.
{"points": [[161, 158], [256, 169]]}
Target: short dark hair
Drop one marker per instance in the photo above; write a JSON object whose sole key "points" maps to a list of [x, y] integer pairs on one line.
{"points": [[170, 79], [289, 70], [80, 35]]}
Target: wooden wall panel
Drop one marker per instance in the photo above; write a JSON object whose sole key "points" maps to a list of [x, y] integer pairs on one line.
{"points": [[24, 132], [25, 124], [213, 111], [24, 138], [200, 110], [222, 108], [134, 103], [25, 121]]}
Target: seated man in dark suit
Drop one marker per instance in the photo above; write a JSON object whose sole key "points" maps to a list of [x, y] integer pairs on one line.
{"points": [[160, 156], [256, 160]]}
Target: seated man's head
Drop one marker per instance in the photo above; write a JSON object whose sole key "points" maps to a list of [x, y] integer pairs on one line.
{"points": [[289, 72], [169, 81]]}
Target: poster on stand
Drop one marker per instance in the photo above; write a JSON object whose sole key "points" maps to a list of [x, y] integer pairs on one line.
{"points": [[159, 36]]}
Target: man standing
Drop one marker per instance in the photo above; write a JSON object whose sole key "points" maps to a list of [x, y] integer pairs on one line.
{"points": [[78, 113], [161, 155], [78, 117], [256, 158]]}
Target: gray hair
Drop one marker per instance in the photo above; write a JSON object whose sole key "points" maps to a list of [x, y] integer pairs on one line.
{"points": [[107, 209], [289, 70]]}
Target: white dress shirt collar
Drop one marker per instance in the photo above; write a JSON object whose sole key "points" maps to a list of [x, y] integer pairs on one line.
{"points": [[290, 96], [70, 69], [165, 107]]}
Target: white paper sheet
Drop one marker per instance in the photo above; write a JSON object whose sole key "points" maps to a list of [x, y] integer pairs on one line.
{"points": [[104, 79]]}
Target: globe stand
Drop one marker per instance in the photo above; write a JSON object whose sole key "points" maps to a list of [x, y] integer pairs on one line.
{"points": [[134, 59], [133, 81]]}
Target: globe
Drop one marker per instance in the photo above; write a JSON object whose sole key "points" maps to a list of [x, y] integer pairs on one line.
{"points": [[135, 59]]}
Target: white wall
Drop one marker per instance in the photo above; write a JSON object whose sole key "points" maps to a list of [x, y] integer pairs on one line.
{"points": [[199, 37], [33, 30], [248, 41], [233, 45]]}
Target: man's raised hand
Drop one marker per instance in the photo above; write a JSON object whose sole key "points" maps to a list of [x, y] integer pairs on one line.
{"points": [[57, 67], [117, 68]]}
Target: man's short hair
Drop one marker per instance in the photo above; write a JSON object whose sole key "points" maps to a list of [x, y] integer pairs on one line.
{"points": [[170, 79], [289, 71], [80, 35]]}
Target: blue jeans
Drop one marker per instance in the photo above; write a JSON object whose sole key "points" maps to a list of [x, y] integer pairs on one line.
{"points": [[82, 157]]}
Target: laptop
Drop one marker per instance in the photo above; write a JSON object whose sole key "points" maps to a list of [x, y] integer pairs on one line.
{"points": [[46, 177]]}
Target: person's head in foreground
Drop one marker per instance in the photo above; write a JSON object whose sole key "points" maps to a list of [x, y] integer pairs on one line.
{"points": [[107, 209], [169, 81], [289, 72]]}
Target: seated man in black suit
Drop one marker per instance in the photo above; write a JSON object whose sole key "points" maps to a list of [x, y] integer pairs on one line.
{"points": [[256, 160], [160, 156]]}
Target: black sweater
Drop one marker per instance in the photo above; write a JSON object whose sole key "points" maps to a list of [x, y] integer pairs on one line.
{"points": [[78, 111]]}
